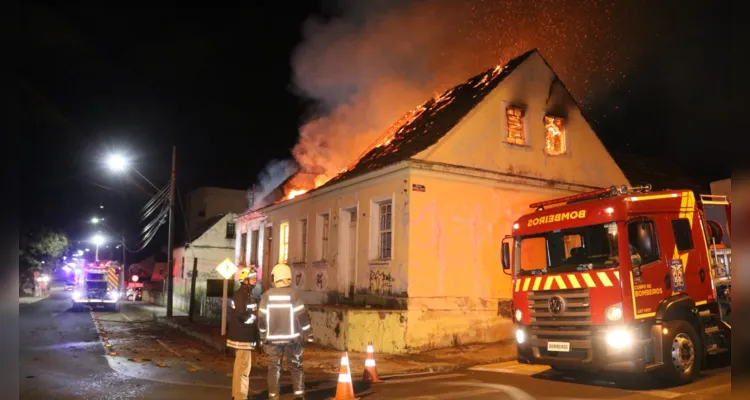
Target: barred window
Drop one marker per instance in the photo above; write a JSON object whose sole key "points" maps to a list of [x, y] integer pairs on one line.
{"points": [[555, 135], [384, 244], [516, 133]]}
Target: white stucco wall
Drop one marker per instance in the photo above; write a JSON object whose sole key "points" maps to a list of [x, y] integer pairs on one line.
{"points": [[334, 274], [209, 249]]}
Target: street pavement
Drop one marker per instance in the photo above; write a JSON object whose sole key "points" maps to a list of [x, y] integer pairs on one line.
{"points": [[127, 355]]}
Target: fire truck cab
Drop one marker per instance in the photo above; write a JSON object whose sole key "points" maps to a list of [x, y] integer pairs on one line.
{"points": [[622, 279]]}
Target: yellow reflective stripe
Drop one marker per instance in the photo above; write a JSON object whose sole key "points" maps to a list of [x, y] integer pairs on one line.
{"points": [[548, 282], [518, 283], [526, 284], [654, 197], [560, 282], [574, 281], [604, 278], [537, 282], [587, 278], [617, 275]]}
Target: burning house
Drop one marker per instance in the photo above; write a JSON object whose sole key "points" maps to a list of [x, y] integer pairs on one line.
{"points": [[403, 246]]}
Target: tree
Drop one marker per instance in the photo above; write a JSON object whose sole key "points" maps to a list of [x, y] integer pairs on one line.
{"points": [[40, 245]]}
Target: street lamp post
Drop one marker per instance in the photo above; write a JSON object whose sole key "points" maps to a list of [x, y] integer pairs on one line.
{"points": [[170, 238], [98, 240], [119, 163]]}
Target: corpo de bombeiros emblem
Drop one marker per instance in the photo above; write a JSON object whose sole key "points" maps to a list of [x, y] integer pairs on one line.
{"points": [[556, 305]]}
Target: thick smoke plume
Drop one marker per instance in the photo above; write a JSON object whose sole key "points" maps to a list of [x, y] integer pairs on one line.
{"points": [[380, 59], [275, 173]]}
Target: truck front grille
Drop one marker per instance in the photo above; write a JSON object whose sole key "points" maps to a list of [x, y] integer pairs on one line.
{"points": [[572, 326]]}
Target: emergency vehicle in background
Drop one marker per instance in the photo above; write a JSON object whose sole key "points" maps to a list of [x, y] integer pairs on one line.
{"points": [[622, 280], [98, 284]]}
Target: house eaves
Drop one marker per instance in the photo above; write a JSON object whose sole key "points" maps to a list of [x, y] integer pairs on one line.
{"points": [[338, 186], [495, 176]]}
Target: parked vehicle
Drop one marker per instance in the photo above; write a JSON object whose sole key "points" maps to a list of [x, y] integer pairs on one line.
{"points": [[622, 280]]}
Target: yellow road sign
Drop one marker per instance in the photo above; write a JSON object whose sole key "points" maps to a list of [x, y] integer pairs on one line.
{"points": [[226, 269]]}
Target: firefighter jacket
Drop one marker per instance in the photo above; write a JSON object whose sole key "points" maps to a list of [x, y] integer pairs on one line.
{"points": [[282, 318], [242, 332]]}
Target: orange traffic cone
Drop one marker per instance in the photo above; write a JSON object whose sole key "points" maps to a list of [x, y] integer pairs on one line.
{"points": [[344, 388], [371, 373]]}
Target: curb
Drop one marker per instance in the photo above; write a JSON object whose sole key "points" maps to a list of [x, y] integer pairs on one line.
{"points": [[35, 299], [206, 339], [210, 341]]}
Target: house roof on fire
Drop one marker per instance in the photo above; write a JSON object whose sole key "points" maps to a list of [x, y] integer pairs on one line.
{"points": [[428, 123]]}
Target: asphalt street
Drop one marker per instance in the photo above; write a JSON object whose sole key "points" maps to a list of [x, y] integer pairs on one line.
{"points": [[126, 355]]}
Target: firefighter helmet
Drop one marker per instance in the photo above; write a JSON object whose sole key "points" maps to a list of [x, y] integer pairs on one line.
{"points": [[246, 273], [281, 272]]}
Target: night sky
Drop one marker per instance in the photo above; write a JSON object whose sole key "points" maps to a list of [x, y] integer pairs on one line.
{"points": [[235, 88]]}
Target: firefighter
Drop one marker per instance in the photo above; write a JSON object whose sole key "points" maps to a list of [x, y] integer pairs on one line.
{"points": [[242, 334], [284, 326]]}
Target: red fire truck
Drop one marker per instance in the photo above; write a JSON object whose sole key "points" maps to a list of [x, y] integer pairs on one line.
{"points": [[98, 285], [622, 279]]}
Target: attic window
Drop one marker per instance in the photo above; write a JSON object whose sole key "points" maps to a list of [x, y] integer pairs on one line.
{"points": [[230, 230], [554, 143], [516, 133]]}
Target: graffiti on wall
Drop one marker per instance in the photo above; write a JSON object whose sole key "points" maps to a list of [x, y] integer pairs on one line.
{"points": [[298, 278], [321, 281], [381, 281]]}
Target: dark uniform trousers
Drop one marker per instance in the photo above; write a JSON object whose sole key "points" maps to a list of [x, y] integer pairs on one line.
{"points": [[292, 351]]}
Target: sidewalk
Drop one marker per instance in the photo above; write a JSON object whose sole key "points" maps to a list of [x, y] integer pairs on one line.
{"points": [[31, 299], [318, 359]]}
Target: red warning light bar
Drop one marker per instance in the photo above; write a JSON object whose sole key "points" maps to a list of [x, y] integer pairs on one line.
{"points": [[580, 196]]}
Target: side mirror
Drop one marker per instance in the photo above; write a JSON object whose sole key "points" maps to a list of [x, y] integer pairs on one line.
{"points": [[506, 256]]}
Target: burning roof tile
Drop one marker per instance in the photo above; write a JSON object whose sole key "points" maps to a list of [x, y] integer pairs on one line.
{"points": [[428, 123]]}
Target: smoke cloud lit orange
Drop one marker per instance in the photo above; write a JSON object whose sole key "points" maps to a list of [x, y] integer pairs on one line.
{"points": [[379, 60]]}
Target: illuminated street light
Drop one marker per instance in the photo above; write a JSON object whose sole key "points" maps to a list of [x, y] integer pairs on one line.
{"points": [[95, 220], [98, 240], [117, 162]]}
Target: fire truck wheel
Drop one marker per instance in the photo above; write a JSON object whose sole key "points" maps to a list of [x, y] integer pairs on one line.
{"points": [[683, 353]]}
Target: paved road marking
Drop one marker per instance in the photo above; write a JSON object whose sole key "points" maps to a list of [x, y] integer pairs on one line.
{"points": [[512, 367], [408, 374], [712, 389], [178, 355], [126, 317], [466, 394], [426, 378], [511, 391]]}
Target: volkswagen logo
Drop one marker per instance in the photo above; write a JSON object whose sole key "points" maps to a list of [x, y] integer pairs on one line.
{"points": [[556, 305]]}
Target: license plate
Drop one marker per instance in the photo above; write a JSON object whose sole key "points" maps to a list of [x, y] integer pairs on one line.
{"points": [[558, 346]]}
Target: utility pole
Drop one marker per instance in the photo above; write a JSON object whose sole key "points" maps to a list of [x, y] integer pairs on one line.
{"points": [[170, 261], [193, 278], [123, 269]]}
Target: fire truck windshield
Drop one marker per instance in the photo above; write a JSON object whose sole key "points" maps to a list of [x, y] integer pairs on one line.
{"points": [[574, 249]]}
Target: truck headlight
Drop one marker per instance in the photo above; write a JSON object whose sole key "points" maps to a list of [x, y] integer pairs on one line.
{"points": [[614, 313], [77, 295], [519, 315], [114, 295], [619, 339], [520, 336]]}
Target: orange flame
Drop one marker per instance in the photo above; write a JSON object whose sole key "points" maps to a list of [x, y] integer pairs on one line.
{"points": [[439, 101], [294, 193]]}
